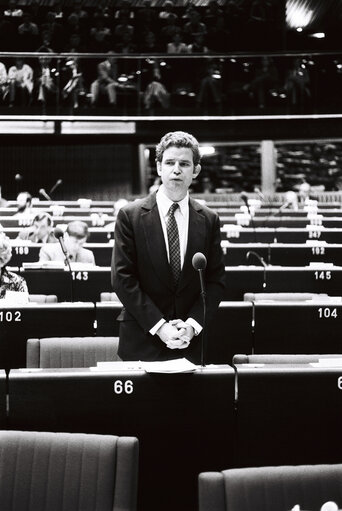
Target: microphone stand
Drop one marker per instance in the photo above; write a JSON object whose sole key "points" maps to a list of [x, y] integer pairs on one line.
{"points": [[261, 260], [204, 329], [69, 268]]}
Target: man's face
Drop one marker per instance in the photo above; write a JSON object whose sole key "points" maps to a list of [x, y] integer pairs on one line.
{"points": [[177, 171], [42, 228]]}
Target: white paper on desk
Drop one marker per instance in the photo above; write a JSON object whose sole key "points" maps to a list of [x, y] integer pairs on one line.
{"points": [[118, 366], [178, 365], [328, 362]]}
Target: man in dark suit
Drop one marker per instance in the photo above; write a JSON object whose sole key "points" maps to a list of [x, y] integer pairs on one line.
{"points": [[152, 274]]}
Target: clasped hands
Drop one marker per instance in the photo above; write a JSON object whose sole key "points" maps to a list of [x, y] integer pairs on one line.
{"points": [[176, 334]]}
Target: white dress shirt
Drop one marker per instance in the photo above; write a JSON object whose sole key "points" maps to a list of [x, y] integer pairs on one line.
{"points": [[182, 220]]}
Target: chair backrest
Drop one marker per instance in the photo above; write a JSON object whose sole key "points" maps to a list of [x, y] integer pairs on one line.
{"points": [[42, 471], [280, 359], [43, 298], [286, 297], [59, 352], [107, 296], [270, 488]]}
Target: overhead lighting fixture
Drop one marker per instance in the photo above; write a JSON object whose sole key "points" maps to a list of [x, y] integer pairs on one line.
{"points": [[318, 35], [298, 14], [207, 150]]}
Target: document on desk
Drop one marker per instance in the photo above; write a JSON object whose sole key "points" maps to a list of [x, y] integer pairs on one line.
{"points": [[179, 365]]}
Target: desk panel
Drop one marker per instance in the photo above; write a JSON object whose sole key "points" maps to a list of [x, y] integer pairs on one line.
{"points": [[280, 235], [297, 327], [288, 415], [29, 253], [96, 234], [282, 254], [184, 422], [17, 324], [229, 333], [87, 285], [243, 279]]}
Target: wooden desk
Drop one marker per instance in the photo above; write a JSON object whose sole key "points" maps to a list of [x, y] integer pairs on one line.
{"points": [[184, 422]]}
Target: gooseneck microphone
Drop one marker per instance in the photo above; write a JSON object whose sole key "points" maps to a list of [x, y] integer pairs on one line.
{"points": [[43, 193], [56, 185], [244, 197], [261, 261], [59, 235], [199, 263]]}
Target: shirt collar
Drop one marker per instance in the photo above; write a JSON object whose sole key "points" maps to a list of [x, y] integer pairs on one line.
{"points": [[164, 203]]}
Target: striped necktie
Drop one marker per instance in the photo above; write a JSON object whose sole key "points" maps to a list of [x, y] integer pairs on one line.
{"points": [[173, 239]]}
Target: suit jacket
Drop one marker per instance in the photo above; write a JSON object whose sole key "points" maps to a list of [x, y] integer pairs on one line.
{"points": [[142, 278], [53, 252]]}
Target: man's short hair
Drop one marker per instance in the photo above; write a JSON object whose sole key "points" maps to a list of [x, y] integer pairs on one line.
{"points": [[41, 216], [77, 229], [178, 139]]}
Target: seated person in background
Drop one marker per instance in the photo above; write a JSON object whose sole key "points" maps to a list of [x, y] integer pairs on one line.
{"points": [[75, 237], [3, 81], [177, 46], [106, 82], [21, 81], [9, 281], [40, 231], [24, 204], [12, 10]]}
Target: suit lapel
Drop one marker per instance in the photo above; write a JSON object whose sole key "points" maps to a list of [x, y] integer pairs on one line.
{"points": [[196, 241], [155, 242]]}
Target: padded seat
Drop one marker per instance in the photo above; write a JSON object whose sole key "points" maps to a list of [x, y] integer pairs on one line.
{"points": [[59, 352], [42, 471], [270, 488], [43, 298], [280, 359]]}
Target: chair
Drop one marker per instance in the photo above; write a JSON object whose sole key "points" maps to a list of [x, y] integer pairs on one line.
{"points": [[109, 297], [280, 359], [53, 352], [287, 297], [43, 298], [42, 471], [270, 488]]}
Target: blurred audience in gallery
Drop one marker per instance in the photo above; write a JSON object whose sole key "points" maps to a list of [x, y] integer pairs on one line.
{"points": [[75, 236], [177, 46], [41, 230], [297, 84], [106, 82], [20, 78], [264, 79]]}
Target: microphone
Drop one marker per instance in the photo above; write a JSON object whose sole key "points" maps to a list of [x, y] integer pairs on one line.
{"points": [[59, 235], [259, 193], [199, 263], [43, 193], [56, 185], [261, 260], [244, 197]]}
